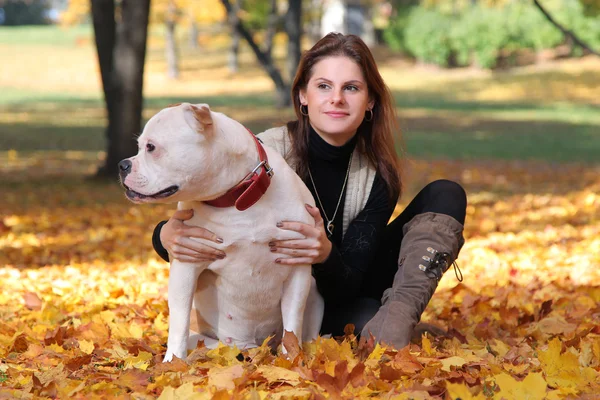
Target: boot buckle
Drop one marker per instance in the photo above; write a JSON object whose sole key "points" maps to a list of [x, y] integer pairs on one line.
{"points": [[436, 266]]}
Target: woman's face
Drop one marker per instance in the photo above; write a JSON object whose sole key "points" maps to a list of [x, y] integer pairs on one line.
{"points": [[337, 98]]}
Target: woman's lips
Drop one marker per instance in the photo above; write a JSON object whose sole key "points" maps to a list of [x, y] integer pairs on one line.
{"points": [[337, 114]]}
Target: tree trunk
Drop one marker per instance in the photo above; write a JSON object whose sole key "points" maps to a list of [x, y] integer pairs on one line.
{"points": [[234, 50], [314, 23], [171, 41], [568, 34], [282, 90], [272, 22], [121, 46], [194, 33], [293, 27], [105, 31], [171, 51]]}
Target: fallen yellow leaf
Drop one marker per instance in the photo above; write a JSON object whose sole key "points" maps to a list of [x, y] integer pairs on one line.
{"points": [[533, 387], [87, 346]]}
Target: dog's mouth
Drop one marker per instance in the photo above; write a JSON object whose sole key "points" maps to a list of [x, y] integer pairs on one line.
{"points": [[163, 194]]}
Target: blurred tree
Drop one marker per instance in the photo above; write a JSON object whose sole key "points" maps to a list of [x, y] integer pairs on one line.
{"points": [[257, 15], [568, 33], [194, 34], [175, 12], [169, 12], [76, 12], [24, 12], [293, 29], [121, 29], [234, 48], [592, 7]]}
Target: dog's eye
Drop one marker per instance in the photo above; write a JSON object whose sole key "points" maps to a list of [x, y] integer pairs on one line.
{"points": [[150, 147]]}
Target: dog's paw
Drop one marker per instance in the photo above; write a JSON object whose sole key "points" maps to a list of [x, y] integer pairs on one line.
{"points": [[180, 353], [168, 357]]}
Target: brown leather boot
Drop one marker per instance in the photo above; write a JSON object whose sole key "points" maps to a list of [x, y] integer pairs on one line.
{"points": [[430, 245]]}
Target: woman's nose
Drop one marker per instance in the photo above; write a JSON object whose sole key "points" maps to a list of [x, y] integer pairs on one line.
{"points": [[337, 96]]}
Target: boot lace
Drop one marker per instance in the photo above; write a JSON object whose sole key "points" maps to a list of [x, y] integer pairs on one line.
{"points": [[438, 264]]}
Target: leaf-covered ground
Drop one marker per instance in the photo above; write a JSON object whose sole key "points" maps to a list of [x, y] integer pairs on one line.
{"points": [[83, 310]]}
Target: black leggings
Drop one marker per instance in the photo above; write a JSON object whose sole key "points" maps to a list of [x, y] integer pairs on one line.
{"points": [[442, 197]]}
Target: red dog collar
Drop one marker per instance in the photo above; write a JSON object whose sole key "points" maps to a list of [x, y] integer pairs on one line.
{"points": [[251, 188]]}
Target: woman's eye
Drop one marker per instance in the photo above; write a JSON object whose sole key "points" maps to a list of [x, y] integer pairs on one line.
{"points": [[352, 88], [150, 147], [322, 86]]}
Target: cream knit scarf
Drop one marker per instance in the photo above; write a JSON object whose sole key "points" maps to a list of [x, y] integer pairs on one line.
{"points": [[360, 179]]}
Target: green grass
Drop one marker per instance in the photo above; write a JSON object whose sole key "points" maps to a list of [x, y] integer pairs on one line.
{"points": [[438, 121], [44, 35], [424, 137], [582, 146], [469, 131]]}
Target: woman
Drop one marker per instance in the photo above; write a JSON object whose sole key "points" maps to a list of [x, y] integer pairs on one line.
{"points": [[375, 275]]}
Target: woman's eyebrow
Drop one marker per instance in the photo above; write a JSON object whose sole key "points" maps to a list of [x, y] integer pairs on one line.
{"points": [[351, 82]]}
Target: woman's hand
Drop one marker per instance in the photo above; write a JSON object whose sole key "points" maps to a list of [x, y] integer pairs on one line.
{"points": [[313, 249], [176, 237]]}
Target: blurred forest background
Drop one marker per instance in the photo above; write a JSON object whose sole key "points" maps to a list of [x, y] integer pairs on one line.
{"points": [[502, 96]]}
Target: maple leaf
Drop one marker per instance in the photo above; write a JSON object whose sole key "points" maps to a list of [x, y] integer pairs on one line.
{"points": [[87, 346], [563, 370], [533, 387], [134, 379], [19, 344], [406, 362], [77, 362], [277, 374], [141, 361], [290, 342], [183, 392], [426, 344], [454, 361], [222, 377], [458, 391], [32, 301], [224, 355]]}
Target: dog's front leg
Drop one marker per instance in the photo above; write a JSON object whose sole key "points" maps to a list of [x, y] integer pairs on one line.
{"points": [[313, 313], [293, 302], [182, 284]]}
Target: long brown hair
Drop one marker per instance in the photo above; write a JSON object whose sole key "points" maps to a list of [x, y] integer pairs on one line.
{"points": [[375, 137]]}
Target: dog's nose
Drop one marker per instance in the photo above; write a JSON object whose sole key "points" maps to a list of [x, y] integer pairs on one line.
{"points": [[124, 167]]}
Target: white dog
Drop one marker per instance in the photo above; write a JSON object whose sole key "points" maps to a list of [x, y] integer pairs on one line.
{"points": [[212, 164]]}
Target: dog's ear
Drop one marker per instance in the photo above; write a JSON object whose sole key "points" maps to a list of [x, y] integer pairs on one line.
{"points": [[198, 117]]}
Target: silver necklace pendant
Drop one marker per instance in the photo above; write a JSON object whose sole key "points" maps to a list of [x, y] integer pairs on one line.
{"points": [[330, 227]]}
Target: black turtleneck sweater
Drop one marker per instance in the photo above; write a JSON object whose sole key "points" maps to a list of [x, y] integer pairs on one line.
{"points": [[340, 277]]}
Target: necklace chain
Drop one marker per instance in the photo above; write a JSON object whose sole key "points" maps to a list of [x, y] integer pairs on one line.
{"points": [[329, 226]]}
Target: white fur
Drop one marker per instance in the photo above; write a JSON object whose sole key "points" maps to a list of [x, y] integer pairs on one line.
{"points": [[245, 297]]}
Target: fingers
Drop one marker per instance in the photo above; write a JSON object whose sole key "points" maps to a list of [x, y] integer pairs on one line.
{"points": [[309, 253], [305, 229], [187, 246], [180, 229], [189, 259], [293, 243], [200, 233], [294, 261], [183, 215], [315, 213]]}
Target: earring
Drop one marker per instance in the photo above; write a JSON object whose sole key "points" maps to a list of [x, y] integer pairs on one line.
{"points": [[301, 110], [369, 119]]}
